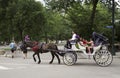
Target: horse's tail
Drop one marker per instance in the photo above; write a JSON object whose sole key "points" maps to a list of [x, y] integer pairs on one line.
{"points": [[58, 52]]}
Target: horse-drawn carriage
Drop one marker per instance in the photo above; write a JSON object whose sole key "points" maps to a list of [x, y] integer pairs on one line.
{"points": [[100, 51]]}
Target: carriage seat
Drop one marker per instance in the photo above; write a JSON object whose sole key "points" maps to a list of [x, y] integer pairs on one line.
{"points": [[78, 47]]}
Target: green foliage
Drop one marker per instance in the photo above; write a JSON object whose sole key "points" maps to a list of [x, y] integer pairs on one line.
{"points": [[117, 25], [56, 20], [22, 17], [56, 28], [79, 16]]}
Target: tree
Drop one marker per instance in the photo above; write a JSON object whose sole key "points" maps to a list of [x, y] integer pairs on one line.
{"points": [[55, 28], [23, 17]]}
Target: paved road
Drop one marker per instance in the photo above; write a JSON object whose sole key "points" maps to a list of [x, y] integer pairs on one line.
{"points": [[27, 68]]}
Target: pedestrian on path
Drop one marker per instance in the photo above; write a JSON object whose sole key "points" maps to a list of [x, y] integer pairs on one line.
{"points": [[13, 47]]}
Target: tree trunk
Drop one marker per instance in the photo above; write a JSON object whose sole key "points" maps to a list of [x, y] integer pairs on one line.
{"points": [[95, 2], [46, 38], [21, 32]]}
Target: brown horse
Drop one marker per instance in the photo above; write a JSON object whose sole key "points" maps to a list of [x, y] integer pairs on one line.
{"points": [[42, 48]]}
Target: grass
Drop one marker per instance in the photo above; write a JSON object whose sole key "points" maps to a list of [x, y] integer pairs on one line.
{"points": [[6, 49]]}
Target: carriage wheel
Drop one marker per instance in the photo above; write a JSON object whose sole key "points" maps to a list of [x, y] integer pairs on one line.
{"points": [[70, 58], [103, 58], [75, 57]]}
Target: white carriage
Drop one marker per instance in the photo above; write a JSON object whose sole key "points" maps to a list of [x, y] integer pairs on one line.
{"points": [[101, 55]]}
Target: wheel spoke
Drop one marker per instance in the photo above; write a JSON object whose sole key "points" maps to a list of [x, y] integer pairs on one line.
{"points": [[69, 58], [103, 58]]}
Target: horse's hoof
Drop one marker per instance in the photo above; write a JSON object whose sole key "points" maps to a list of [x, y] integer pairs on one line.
{"points": [[35, 60], [39, 62], [50, 62]]}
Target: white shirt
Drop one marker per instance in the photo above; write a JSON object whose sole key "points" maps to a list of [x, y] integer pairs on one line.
{"points": [[73, 37], [12, 45]]}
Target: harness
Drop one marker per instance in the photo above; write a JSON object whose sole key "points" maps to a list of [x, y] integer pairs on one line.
{"points": [[38, 47]]}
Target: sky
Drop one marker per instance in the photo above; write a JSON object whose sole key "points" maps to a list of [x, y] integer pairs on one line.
{"points": [[118, 2], [41, 1]]}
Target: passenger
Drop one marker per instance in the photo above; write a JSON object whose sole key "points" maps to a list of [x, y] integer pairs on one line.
{"points": [[91, 44], [86, 44], [83, 42]]}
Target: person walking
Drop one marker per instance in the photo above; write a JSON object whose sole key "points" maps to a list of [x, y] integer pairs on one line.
{"points": [[13, 47], [27, 38]]}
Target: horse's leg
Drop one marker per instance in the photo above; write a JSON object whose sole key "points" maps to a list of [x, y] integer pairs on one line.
{"points": [[52, 58], [34, 56], [38, 58], [57, 58]]}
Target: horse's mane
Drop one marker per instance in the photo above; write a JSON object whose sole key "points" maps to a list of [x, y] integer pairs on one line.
{"points": [[31, 43], [35, 42]]}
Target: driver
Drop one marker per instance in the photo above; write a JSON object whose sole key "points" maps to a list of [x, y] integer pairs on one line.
{"points": [[73, 40], [74, 37]]}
